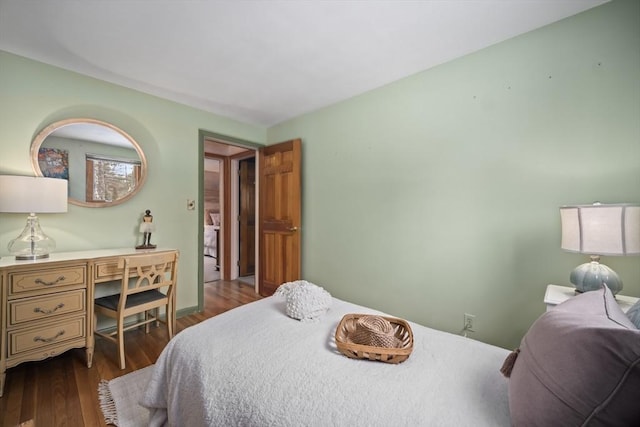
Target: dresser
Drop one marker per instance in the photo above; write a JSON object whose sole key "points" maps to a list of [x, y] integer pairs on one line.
{"points": [[47, 304]]}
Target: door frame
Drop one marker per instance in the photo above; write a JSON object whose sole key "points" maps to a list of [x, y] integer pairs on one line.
{"points": [[203, 136]]}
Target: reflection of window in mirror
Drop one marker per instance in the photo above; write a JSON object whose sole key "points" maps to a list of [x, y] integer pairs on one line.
{"points": [[103, 164], [76, 154], [109, 179]]}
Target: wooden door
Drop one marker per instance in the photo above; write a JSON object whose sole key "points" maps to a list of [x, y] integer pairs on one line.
{"points": [[247, 217], [280, 215]]}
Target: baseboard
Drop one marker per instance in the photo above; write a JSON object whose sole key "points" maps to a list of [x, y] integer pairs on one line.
{"points": [[187, 311]]}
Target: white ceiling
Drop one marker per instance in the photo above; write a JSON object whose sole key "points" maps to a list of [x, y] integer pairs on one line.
{"points": [[263, 61]]}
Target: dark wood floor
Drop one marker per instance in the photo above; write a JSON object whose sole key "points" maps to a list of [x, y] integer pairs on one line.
{"points": [[61, 391]]}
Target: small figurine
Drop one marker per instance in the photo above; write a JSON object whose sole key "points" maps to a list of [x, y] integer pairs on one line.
{"points": [[146, 228]]}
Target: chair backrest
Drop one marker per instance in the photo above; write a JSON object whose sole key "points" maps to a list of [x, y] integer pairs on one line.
{"points": [[148, 271]]}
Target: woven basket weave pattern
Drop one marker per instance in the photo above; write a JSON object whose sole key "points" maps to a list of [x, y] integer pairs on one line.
{"points": [[350, 326]]}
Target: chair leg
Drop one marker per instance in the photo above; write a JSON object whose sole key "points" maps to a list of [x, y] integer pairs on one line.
{"points": [[146, 318], [169, 319], [121, 342]]}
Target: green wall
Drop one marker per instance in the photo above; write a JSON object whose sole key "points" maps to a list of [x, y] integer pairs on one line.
{"points": [[33, 95], [438, 195]]}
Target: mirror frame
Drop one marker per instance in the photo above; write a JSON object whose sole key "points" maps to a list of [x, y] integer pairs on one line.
{"points": [[44, 133]]}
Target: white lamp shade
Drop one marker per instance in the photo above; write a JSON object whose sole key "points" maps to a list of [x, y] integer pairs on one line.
{"points": [[27, 194], [601, 229]]}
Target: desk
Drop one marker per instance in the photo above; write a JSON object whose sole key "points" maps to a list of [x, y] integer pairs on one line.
{"points": [[47, 304]]}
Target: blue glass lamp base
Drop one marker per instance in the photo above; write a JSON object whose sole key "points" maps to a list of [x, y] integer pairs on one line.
{"points": [[591, 275]]}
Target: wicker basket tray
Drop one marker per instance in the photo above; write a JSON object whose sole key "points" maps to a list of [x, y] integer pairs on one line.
{"points": [[401, 330]]}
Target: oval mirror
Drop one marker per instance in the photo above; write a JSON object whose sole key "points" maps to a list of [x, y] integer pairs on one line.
{"points": [[103, 164]]}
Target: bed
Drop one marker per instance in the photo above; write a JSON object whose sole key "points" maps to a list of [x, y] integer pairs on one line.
{"points": [[254, 366], [211, 240], [211, 268]]}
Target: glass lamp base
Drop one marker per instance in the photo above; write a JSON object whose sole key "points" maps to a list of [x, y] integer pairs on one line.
{"points": [[592, 275], [32, 243]]}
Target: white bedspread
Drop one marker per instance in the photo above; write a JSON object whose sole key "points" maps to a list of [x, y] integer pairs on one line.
{"points": [[210, 240], [254, 366]]}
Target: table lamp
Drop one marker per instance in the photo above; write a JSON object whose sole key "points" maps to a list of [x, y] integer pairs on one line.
{"points": [[600, 229], [27, 194]]}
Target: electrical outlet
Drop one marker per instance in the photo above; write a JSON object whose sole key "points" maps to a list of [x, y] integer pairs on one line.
{"points": [[468, 322]]}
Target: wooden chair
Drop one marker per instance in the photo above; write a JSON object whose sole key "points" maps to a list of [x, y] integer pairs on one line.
{"points": [[148, 283]]}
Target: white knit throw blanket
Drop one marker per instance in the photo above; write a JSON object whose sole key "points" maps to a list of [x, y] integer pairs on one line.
{"points": [[305, 301]]}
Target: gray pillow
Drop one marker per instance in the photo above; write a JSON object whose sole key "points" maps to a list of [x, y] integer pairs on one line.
{"points": [[579, 364], [634, 314]]}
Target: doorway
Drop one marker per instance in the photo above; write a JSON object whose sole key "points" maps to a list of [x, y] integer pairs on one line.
{"points": [[230, 155], [211, 213], [276, 225]]}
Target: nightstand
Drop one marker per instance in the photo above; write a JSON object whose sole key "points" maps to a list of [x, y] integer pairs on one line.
{"points": [[556, 294]]}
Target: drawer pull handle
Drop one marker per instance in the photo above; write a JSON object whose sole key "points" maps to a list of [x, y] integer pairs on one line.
{"points": [[53, 310], [42, 282], [59, 334]]}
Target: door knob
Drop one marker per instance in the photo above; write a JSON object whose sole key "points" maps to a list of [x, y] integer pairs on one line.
{"points": [[292, 229]]}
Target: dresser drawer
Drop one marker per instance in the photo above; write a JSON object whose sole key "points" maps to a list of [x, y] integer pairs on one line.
{"points": [[28, 339], [51, 278], [107, 269], [47, 306]]}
